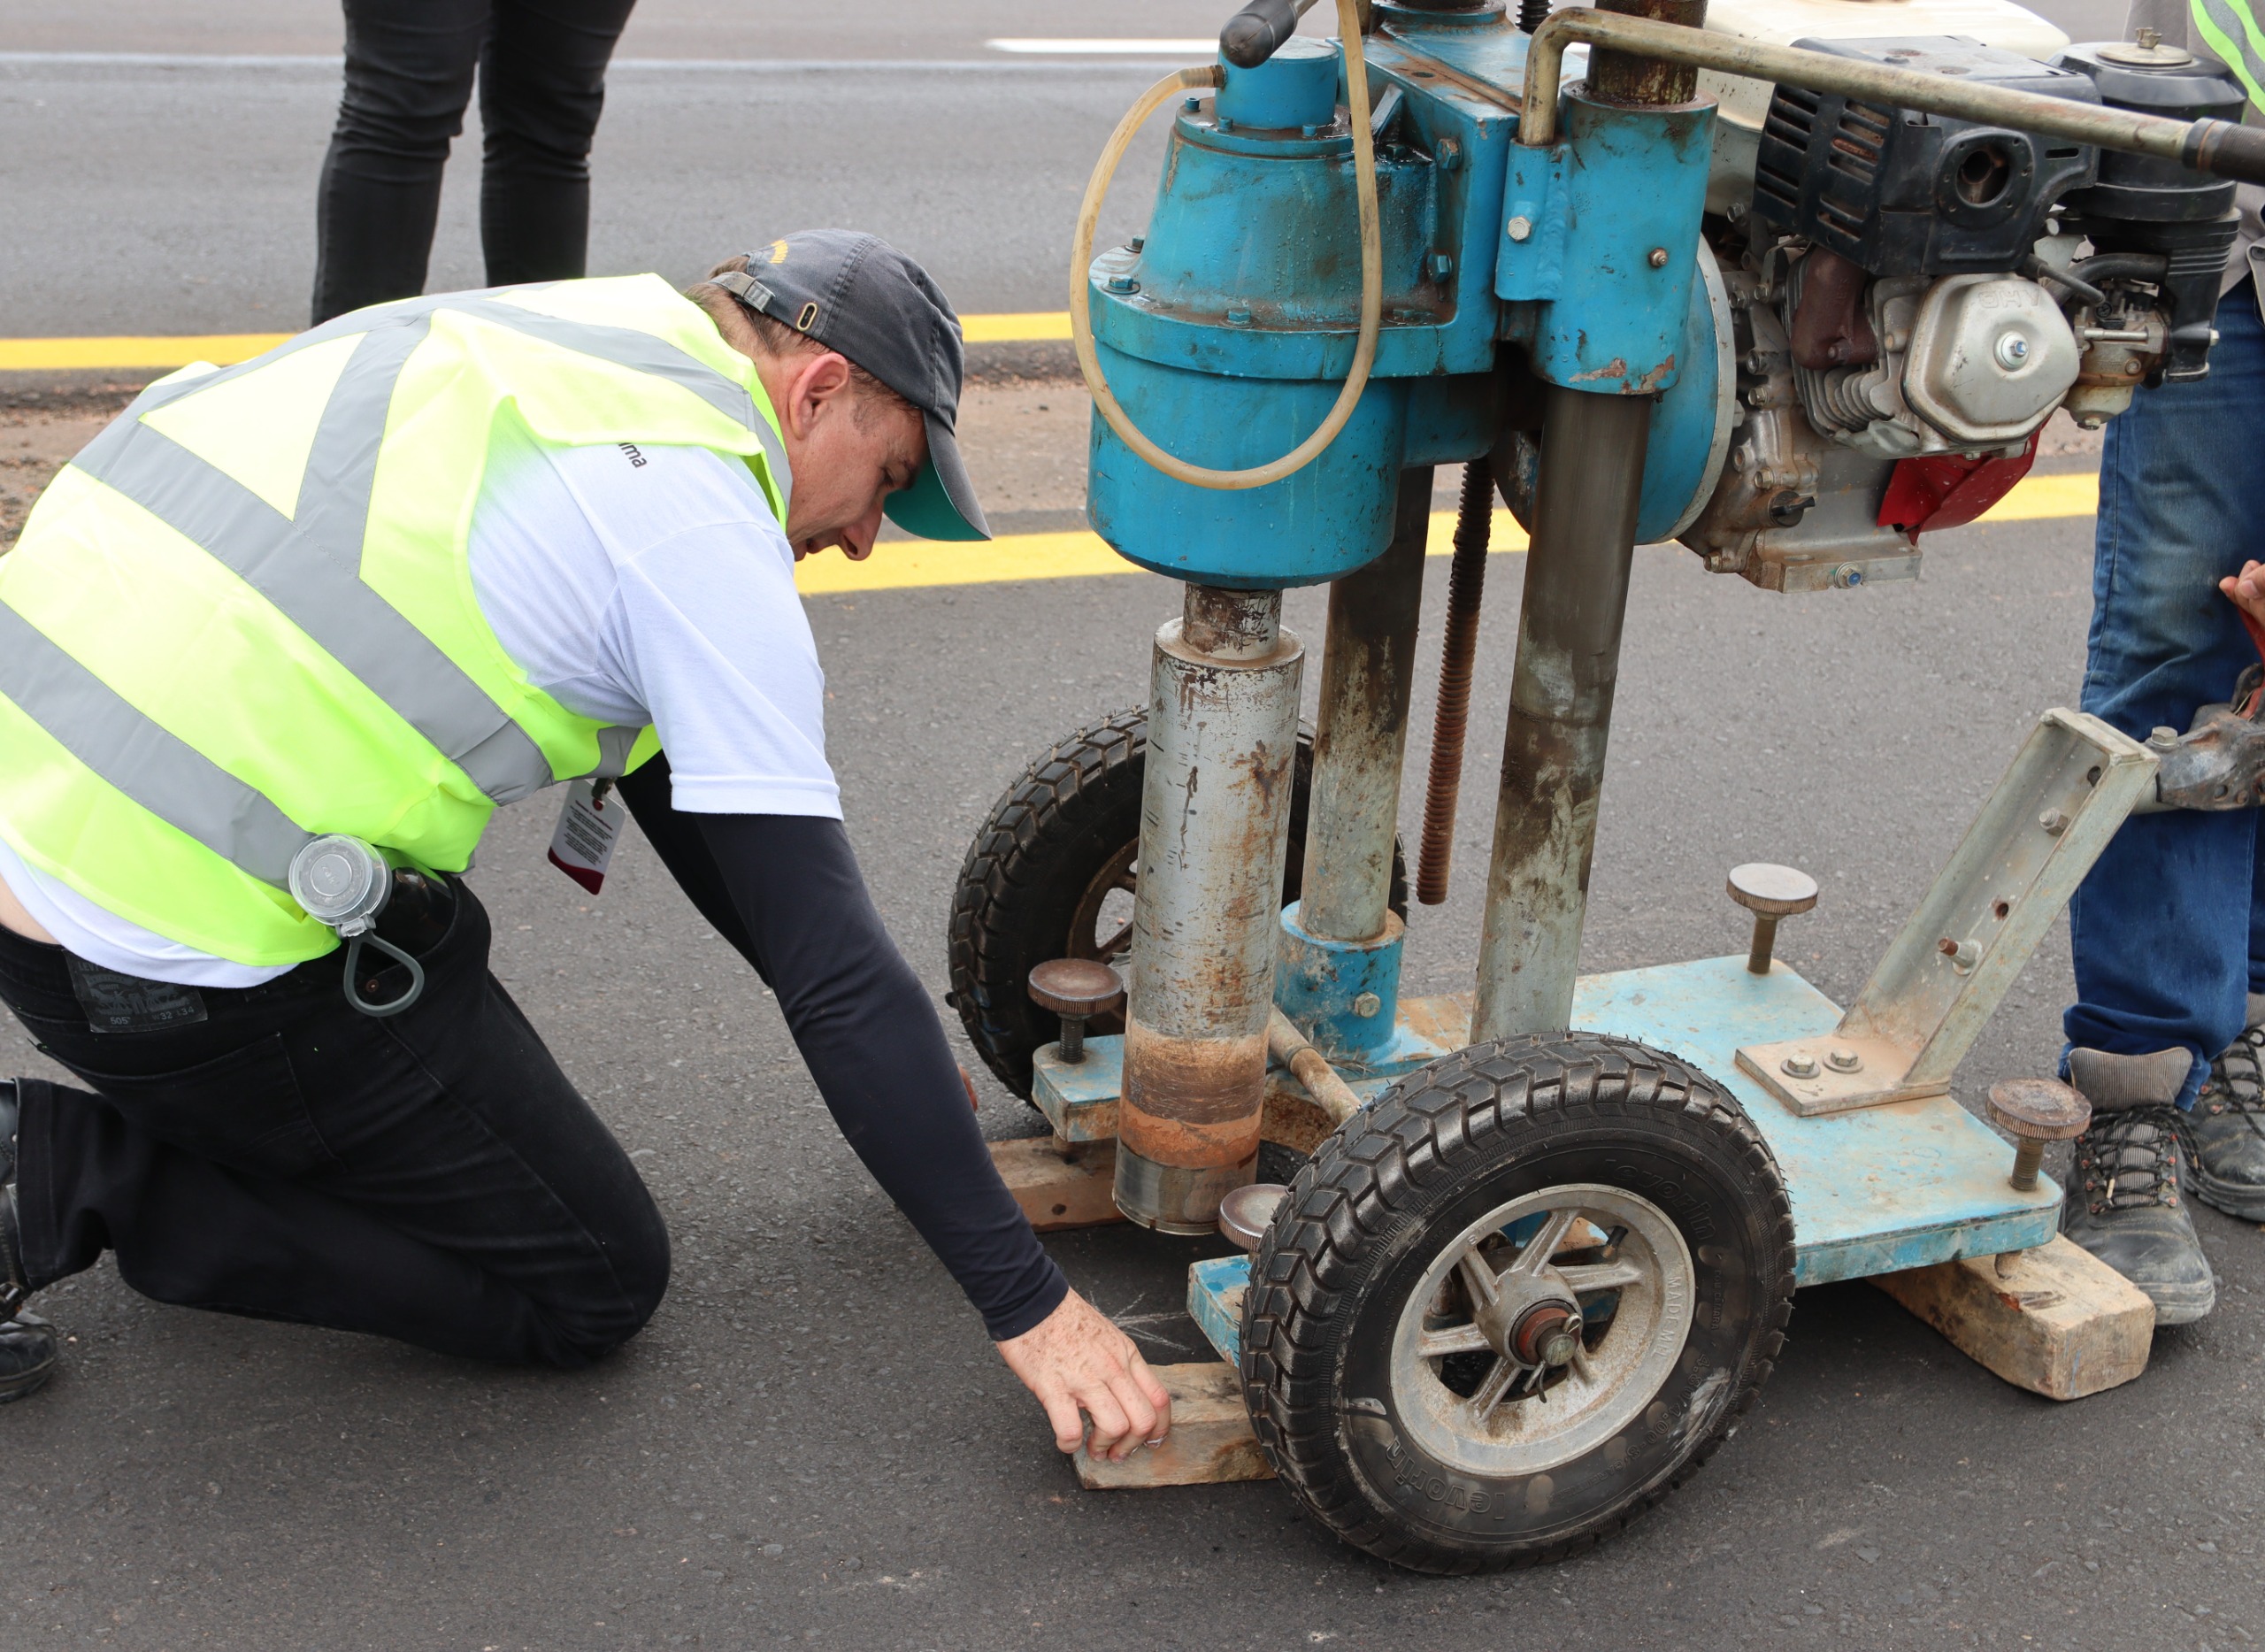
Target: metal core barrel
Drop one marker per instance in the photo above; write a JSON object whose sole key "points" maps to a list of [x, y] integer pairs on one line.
{"points": [[1215, 817]]}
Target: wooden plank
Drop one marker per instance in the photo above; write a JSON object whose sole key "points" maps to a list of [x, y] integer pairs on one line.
{"points": [[1210, 1442], [1060, 1185], [2063, 1323]]}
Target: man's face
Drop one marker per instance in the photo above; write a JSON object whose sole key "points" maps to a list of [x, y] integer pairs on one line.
{"points": [[848, 452]]}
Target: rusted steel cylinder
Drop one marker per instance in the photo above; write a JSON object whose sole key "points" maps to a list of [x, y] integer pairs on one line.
{"points": [[1474, 522], [1215, 822], [1561, 710], [1619, 77], [1368, 667]]}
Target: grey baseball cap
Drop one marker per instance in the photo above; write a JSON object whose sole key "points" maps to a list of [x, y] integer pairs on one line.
{"points": [[856, 294]]}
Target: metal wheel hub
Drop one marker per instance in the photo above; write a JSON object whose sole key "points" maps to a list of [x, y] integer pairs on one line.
{"points": [[1544, 1330]]}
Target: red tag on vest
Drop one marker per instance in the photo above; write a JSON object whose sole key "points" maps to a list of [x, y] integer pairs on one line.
{"points": [[588, 824]]}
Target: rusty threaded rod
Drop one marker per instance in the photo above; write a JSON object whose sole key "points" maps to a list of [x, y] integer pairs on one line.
{"points": [[1466, 585]]}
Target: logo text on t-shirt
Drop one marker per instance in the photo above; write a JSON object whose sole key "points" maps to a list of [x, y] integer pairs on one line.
{"points": [[636, 458]]}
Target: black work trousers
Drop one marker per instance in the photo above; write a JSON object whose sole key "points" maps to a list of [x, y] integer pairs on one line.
{"points": [[409, 65], [431, 1177]]}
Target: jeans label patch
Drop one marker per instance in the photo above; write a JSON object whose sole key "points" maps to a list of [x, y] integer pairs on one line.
{"points": [[118, 1003]]}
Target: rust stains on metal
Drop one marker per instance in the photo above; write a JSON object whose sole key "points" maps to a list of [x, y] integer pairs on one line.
{"points": [[1616, 368], [1192, 1082], [1619, 77], [1466, 589], [1361, 740]]}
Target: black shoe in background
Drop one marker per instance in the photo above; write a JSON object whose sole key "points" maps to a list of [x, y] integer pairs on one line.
{"points": [[27, 1342]]}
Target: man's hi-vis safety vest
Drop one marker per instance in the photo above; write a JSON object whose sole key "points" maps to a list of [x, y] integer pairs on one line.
{"points": [[2229, 29], [243, 617]]}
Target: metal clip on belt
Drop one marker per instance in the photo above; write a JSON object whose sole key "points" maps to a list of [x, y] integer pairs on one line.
{"points": [[345, 883]]}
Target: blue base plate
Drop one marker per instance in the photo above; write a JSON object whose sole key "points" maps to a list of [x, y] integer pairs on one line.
{"points": [[1873, 1191]]}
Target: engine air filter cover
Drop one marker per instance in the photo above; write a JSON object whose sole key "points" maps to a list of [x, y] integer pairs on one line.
{"points": [[1904, 193]]}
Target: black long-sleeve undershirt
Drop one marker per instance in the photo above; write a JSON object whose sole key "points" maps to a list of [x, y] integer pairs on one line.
{"points": [[786, 892]]}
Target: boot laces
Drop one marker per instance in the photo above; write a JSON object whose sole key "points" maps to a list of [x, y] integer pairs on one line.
{"points": [[2128, 1159], [2236, 1085]]}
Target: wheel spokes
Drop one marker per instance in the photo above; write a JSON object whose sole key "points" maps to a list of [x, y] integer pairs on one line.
{"points": [[1544, 1244], [1464, 1339], [1478, 1276], [1587, 1278], [1489, 1394]]}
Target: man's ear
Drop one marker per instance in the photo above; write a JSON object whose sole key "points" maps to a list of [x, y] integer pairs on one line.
{"points": [[819, 382]]}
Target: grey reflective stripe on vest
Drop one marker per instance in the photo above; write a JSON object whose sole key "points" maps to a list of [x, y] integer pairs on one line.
{"points": [[2228, 29], [625, 347], [158, 770], [310, 567]]}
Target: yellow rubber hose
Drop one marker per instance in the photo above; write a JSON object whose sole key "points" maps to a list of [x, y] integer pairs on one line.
{"points": [[1364, 352]]}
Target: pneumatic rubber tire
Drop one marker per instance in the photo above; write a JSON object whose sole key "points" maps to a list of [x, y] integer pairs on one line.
{"points": [[1067, 826], [1347, 1428]]}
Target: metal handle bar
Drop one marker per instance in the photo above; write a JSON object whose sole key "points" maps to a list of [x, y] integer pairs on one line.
{"points": [[2219, 147], [1256, 33]]}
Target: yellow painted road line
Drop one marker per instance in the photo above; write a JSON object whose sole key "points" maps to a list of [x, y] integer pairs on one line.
{"points": [[42, 355], [900, 565], [53, 354]]}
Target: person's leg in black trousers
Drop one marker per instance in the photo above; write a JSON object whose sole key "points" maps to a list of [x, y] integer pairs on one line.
{"points": [[541, 89], [408, 73], [409, 76], [433, 1177]]}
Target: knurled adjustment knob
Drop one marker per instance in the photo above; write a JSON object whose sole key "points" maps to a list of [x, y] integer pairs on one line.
{"points": [[1770, 893], [1076, 989], [2034, 1112]]}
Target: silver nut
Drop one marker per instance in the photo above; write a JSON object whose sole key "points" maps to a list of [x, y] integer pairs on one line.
{"points": [[1367, 1004], [1798, 1066], [2012, 351], [1847, 576], [1657, 258], [2053, 821], [1841, 1060], [1520, 227], [2162, 737]]}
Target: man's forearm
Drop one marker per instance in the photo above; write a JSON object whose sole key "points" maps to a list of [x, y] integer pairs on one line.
{"points": [[862, 1020]]}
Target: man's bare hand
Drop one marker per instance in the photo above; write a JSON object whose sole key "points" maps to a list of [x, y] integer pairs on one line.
{"points": [[1074, 1360], [2247, 590]]}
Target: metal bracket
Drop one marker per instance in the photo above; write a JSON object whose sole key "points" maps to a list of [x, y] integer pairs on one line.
{"points": [[2220, 761], [2068, 792]]}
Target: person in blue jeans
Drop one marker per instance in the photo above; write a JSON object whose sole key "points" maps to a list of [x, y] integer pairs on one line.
{"points": [[2168, 930]]}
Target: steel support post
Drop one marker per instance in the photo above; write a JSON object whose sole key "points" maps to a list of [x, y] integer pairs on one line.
{"points": [[1561, 710], [1215, 819], [1368, 667]]}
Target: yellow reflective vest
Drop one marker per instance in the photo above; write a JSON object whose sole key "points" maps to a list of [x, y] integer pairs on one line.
{"points": [[243, 616]]}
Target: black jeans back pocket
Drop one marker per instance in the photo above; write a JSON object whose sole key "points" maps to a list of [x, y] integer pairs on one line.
{"points": [[243, 1109]]}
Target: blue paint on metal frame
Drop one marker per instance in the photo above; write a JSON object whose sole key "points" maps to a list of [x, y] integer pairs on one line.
{"points": [[1080, 1098], [1215, 1294], [1874, 1191], [1600, 231], [1319, 983]]}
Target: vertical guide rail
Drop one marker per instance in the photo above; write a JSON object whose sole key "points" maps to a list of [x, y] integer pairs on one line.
{"points": [[1561, 710], [1585, 502], [1368, 667]]}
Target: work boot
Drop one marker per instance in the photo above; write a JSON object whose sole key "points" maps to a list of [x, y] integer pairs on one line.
{"points": [[2225, 1133], [27, 1348], [2122, 1202]]}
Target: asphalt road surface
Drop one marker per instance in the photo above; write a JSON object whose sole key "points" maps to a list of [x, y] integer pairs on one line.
{"points": [[813, 1444], [177, 196]]}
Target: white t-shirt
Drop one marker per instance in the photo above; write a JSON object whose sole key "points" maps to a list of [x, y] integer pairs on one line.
{"points": [[635, 585]]}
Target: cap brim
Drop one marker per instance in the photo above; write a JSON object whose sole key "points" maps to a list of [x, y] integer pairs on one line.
{"points": [[940, 503]]}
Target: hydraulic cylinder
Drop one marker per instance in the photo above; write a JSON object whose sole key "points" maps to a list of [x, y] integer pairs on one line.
{"points": [[1223, 731]]}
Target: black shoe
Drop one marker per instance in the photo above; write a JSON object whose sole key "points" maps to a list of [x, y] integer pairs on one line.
{"points": [[28, 1355], [2123, 1206], [2225, 1167]]}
